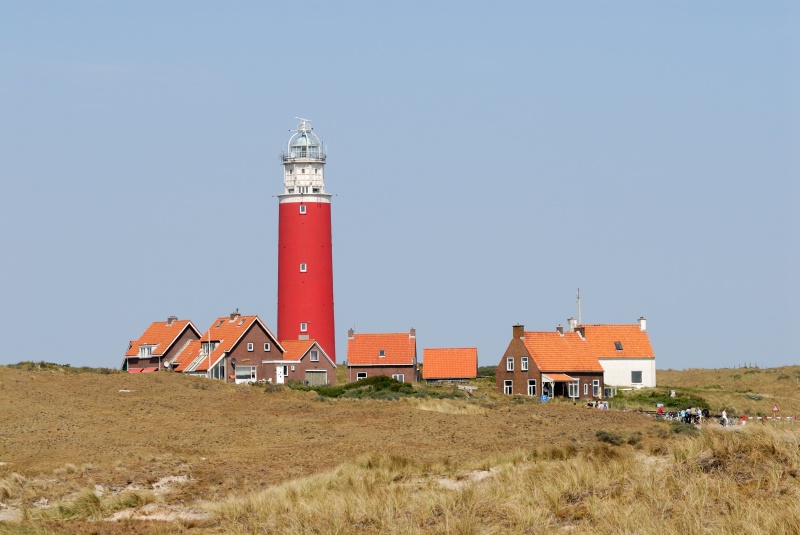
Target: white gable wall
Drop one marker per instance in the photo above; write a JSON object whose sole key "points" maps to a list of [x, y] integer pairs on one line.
{"points": [[617, 372]]}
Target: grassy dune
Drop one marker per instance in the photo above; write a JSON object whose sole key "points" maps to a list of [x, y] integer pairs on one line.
{"points": [[114, 453]]}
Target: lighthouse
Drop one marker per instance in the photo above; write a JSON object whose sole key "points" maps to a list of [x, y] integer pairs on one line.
{"points": [[305, 259]]}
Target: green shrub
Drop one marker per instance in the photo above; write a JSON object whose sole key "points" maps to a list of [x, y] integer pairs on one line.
{"points": [[607, 436], [655, 396], [680, 428]]}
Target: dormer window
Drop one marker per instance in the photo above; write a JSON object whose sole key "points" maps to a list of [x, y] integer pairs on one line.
{"points": [[618, 345], [145, 352]]}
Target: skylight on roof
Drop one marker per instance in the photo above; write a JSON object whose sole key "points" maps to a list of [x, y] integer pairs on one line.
{"points": [[381, 352], [220, 323], [618, 345]]}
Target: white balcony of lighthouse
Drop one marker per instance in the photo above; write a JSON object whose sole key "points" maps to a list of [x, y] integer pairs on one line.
{"points": [[304, 166]]}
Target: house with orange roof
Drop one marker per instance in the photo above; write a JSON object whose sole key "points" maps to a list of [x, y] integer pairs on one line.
{"points": [[549, 364], [232, 350], [449, 363], [390, 354], [304, 361], [158, 346], [623, 350]]}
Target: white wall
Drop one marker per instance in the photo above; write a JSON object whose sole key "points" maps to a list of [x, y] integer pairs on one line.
{"points": [[617, 372]]}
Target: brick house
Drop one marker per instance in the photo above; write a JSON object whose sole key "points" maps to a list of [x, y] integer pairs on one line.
{"points": [[449, 364], [233, 349], [623, 350], [390, 354], [549, 363], [158, 346], [304, 361]]}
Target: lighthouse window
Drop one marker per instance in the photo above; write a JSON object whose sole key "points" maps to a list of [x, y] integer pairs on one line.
{"points": [[302, 208], [303, 268], [303, 327], [303, 171]]}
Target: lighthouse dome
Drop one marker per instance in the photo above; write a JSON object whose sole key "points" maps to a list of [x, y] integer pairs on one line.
{"points": [[304, 140]]}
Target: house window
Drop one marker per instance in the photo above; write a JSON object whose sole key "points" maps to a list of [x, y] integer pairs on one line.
{"points": [[636, 378], [314, 355], [266, 346], [531, 387], [381, 352], [241, 323], [573, 389], [303, 268], [596, 388], [285, 371], [302, 208], [249, 346], [585, 389], [399, 377], [145, 352], [303, 327], [523, 365], [618, 345], [510, 364], [245, 374], [508, 387], [220, 323], [361, 375]]}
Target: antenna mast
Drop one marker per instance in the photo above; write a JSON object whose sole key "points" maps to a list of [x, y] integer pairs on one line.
{"points": [[579, 306]]}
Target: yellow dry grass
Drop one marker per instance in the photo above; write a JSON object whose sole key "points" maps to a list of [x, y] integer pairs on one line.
{"points": [[76, 448]]}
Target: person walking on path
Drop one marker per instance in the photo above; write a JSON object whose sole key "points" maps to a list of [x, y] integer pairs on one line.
{"points": [[724, 418]]}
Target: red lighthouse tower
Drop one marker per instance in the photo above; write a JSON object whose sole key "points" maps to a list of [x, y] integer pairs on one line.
{"points": [[305, 259]]}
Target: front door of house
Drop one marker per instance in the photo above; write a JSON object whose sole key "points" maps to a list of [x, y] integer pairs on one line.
{"points": [[279, 376]]}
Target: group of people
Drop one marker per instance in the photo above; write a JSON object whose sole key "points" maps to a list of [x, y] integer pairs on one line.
{"points": [[693, 415]]}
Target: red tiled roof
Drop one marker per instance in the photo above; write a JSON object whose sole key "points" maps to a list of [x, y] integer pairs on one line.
{"points": [[450, 363], [364, 349], [560, 377], [188, 355], [295, 349], [225, 332], [159, 334], [554, 352], [634, 341]]}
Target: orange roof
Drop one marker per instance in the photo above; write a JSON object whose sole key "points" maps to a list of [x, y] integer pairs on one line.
{"points": [[450, 363], [554, 352], [295, 349], [224, 333], [189, 354], [634, 341], [560, 377], [161, 335], [397, 349]]}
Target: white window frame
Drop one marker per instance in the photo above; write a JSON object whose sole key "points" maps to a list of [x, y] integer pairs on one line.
{"points": [[250, 346], [303, 268], [596, 388], [361, 375], [523, 364], [303, 327], [508, 386], [267, 347], [641, 377], [302, 208], [399, 377], [381, 353], [145, 351], [532, 383], [252, 374], [585, 389], [509, 364], [574, 389], [313, 355]]}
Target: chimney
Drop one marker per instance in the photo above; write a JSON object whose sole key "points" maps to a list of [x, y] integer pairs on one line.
{"points": [[234, 315], [572, 324], [171, 320], [412, 333], [581, 331], [518, 331], [351, 333], [642, 324], [560, 329]]}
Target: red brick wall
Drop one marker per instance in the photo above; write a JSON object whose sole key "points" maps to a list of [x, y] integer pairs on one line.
{"points": [[410, 373]]}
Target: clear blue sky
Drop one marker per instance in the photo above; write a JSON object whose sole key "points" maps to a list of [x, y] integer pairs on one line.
{"points": [[488, 159]]}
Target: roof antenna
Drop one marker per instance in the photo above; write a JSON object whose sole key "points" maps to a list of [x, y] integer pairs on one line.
{"points": [[579, 306]]}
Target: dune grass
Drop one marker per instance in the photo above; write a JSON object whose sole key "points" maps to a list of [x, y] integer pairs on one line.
{"points": [[719, 481]]}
